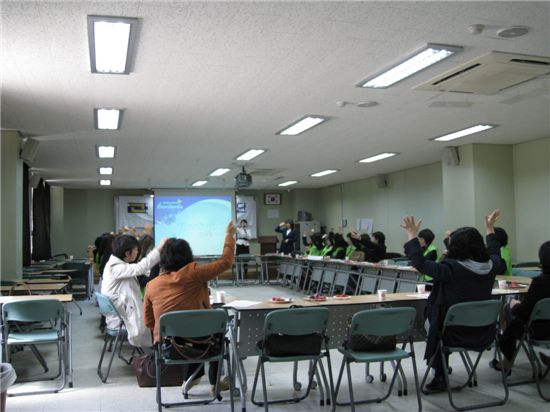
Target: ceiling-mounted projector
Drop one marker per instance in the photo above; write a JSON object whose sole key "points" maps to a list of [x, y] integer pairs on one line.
{"points": [[243, 179]]}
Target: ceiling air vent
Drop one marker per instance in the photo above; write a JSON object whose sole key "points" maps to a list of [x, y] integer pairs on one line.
{"points": [[489, 74]]}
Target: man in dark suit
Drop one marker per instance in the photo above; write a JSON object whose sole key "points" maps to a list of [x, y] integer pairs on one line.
{"points": [[286, 229]]}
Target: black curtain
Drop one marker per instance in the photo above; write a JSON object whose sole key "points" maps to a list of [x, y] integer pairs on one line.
{"points": [[41, 246], [26, 218]]}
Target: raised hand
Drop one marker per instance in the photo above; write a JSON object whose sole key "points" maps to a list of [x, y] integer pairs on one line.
{"points": [[411, 226], [231, 229], [490, 221]]}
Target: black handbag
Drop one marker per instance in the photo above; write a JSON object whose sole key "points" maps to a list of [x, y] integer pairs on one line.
{"points": [[192, 348], [292, 345], [144, 368], [366, 343]]}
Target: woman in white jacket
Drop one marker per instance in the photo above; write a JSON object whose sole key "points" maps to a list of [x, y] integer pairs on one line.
{"points": [[121, 286]]}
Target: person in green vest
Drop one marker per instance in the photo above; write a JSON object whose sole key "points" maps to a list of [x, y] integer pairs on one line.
{"points": [[354, 243], [505, 254], [340, 246], [328, 240], [316, 246], [426, 238]]}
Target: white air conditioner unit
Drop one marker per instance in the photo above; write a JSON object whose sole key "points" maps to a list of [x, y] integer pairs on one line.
{"points": [[489, 74]]}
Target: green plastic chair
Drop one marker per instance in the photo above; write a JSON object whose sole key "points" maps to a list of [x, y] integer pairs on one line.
{"points": [[119, 335], [476, 314], [541, 312], [378, 322], [50, 314], [193, 324], [294, 324]]}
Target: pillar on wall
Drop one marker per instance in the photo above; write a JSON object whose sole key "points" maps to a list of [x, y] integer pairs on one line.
{"points": [[11, 206], [483, 181]]}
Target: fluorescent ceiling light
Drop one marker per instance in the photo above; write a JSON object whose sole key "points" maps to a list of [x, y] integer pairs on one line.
{"points": [[302, 124], [219, 172], [111, 43], [105, 152], [105, 182], [465, 132], [200, 183], [377, 157], [250, 154], [290, 182], [323, 173], [107, 119], [423, 58], [106, 170]]}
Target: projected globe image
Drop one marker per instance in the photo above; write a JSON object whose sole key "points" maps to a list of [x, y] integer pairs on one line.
{"points": [[201, 221]]}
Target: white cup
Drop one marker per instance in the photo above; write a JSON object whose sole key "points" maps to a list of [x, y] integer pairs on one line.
{"points": [[502, 284], [382, 294], [220, 296], [421, 288], [71, 257]]}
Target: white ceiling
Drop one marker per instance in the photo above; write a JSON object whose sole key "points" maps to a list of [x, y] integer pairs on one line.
{"points": [[213, 79]]}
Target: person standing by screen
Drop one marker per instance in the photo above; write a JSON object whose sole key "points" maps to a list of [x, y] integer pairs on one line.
{"points": [[243, 242], [286, 229]]}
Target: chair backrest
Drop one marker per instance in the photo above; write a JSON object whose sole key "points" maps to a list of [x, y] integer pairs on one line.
{"points": [[193, 323], [106, 306], [404, 285], [474, 314], [328, 276], [383, 322], [39, 310], [368, 283], [541, 311], [298, 321]]}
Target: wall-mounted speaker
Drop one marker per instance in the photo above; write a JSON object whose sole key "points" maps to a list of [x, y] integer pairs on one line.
{"points": [[381, 181], [30, 147], [34, 179], [450, 156]]}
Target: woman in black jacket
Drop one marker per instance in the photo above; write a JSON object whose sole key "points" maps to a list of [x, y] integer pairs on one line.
{"points": [[521, 311], [467, 274]]}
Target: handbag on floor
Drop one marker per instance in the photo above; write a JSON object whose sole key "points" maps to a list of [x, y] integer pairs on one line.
{"points": [[192, 348], [144, 368]]}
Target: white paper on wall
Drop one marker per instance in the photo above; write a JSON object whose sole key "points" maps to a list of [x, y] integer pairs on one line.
{"points": [[364, 225]]}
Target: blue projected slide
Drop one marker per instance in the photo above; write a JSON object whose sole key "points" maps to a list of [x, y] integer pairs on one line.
{"points": [[201, 220]]}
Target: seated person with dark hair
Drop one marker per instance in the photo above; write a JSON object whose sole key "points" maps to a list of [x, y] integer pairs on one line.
{"points": [[183, 285], [426, 238], [521, 311], [467, 274], [121, 286], [339, 249], [375, 249]]}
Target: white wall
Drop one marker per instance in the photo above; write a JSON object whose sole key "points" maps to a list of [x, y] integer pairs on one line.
{"points": [[532, 196], [416, 191]]}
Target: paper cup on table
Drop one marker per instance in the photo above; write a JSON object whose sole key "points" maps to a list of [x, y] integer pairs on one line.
{"points": [[220, 296], [382, 294], [421, 288], [502, 284]]}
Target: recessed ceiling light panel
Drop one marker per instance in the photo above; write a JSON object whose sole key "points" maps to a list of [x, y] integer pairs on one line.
{"points": [[219, 172], [105, 182], [107, 119], [301, 125], [111, 41], [324, 173], [105, 152], [464, 132], [425, 57], [288, 183], [106, 170], [250, 154], [377, 157], [199, 183]]}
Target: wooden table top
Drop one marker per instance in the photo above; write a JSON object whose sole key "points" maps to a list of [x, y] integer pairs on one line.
{"points": [[35, 287], [40, 281], [63, 298]]}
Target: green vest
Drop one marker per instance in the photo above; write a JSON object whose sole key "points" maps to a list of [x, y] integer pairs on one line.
{"points": [[507, 257], [313, 251], [335, 252], [326, 250], [429, 249], [349, 251]]}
